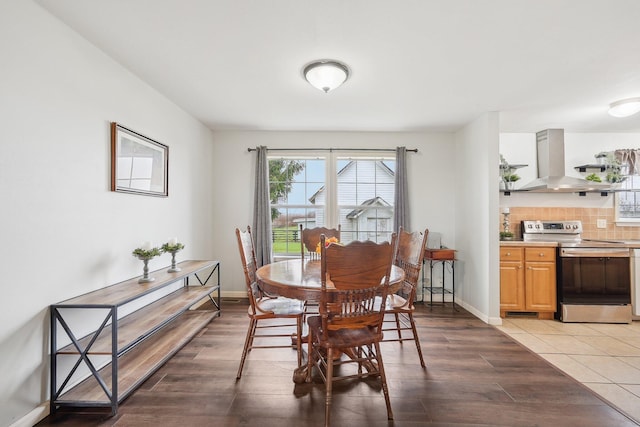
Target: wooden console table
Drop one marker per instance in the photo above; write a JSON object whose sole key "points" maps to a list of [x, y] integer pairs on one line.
{"points": [[435, 256], [105, 343]]}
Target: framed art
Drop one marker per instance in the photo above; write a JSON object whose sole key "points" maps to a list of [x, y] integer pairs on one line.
{"points": [[139, 164]]}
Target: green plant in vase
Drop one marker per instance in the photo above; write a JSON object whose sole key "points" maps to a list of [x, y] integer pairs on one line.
{"points": [[509, 179], [506, 235], [146, 252], [614, 177], [173, 246], [507, 173]]}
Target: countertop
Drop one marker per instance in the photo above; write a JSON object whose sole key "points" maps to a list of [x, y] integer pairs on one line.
{"points": [[632, 244], [522, 243]]}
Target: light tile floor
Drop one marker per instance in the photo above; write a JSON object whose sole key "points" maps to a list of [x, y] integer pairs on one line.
{"points": [[604, 357]]}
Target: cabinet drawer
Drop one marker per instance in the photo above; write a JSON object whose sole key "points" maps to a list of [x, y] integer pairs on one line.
{"points": [[510, 254], [540, 254]]}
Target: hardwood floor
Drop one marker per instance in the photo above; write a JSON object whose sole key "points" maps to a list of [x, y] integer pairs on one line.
{"points": [[475, 376]]}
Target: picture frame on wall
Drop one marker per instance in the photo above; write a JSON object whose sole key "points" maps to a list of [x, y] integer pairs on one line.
{"points": [[139, 164]]}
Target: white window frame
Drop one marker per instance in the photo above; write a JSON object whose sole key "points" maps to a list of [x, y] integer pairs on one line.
{"points": [[331, 208]]}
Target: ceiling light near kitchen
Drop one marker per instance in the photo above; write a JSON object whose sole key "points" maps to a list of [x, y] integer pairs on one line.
{"points": [[625, 107]]}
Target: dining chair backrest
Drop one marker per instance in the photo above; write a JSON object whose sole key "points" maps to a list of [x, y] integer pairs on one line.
{"points": [[249, 264], [352, 275], [409, 257], [310, 238]]}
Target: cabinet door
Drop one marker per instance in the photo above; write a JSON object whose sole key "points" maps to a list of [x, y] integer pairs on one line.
{"points": [[540, 284], [511, 286]]}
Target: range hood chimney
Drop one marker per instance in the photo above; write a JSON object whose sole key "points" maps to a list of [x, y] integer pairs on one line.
{"points": [[551, 176]]}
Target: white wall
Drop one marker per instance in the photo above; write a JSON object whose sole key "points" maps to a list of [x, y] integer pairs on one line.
{"points": [[476, 205], [430, 191], [64, 232]]}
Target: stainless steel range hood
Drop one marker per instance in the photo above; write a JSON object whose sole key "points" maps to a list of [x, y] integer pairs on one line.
{"points": [[551, 172]]}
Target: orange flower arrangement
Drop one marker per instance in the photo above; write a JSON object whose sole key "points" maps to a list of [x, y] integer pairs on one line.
{"points": [[327, 242]]}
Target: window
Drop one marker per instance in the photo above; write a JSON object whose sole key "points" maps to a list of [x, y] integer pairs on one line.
{"points": [[627, 203], [324, 191]]}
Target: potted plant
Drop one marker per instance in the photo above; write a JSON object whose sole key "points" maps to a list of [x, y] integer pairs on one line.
{"points": [[506, 235], [614, 177], [614, 169], [507, 173], [144, 253], [509, 180]]}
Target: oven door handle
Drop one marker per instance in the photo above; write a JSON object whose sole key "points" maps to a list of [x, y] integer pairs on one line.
{"points": [[594, 253]]}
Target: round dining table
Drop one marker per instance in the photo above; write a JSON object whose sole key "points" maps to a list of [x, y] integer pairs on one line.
{"points": [[300, 279]]}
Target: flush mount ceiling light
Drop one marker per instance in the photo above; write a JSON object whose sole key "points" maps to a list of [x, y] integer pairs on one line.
{"points": [[625, 107], [326, 74]]}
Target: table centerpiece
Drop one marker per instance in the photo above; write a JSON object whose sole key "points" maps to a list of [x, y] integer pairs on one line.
{"points": [[146, 252]]}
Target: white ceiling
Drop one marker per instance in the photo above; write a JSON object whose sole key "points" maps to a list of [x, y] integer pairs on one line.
{"points": [[418, 65]]}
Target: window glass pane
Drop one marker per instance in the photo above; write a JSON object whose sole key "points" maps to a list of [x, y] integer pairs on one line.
{"points": [[297, 197], [365, 199], [285, 231], [628, 202]]}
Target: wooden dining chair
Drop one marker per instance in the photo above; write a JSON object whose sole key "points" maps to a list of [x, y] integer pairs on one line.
{"points": [[349, 322], [409, 256], [310, 237], [266, 311]]}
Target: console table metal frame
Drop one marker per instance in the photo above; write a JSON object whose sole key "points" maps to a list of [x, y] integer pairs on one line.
{"points": [[168, 308]]}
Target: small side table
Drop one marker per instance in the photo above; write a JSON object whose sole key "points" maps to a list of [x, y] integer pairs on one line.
{"points": [[433, 257]]}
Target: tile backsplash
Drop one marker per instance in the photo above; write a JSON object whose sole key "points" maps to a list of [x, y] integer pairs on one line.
{"points": [[588, 216]]}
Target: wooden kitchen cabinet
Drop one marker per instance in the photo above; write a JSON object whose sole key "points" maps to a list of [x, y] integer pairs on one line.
{"points": [[511, 279], [528, 280]]}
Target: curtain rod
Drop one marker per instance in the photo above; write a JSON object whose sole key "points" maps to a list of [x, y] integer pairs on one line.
{"points": [[412, 150]]}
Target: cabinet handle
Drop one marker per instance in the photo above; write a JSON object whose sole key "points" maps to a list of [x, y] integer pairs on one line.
{"points": [[508, 253], [541, 254]]}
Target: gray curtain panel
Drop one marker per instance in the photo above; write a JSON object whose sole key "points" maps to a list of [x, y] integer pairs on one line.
{"points": [[401, 200], [262, 209]]}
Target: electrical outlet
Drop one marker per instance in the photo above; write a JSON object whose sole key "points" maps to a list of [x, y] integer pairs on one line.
{"points": [[601, 223]]}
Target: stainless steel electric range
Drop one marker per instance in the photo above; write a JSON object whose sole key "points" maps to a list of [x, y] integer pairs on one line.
{"points": [[593, 276]]}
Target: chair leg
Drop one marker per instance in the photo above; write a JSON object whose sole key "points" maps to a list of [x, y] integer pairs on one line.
{"points": [[248, 342], [310, 355], [299, 340], [416, 339], [383, 379], [398, 326], [329, 388]]}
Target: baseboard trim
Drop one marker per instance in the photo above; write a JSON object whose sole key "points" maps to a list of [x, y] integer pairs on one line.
{"points": [[33, 417]]}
